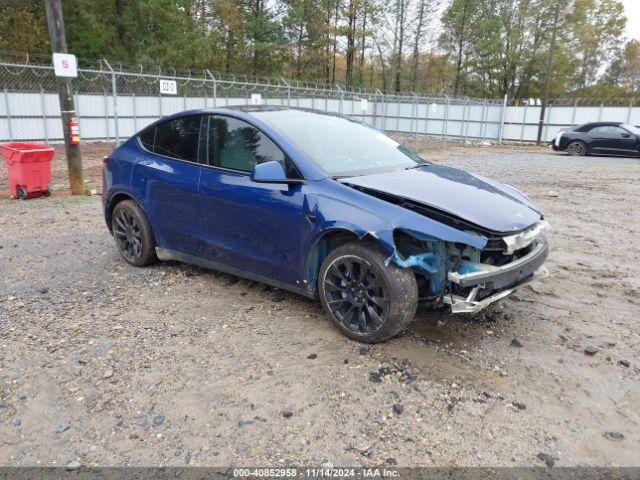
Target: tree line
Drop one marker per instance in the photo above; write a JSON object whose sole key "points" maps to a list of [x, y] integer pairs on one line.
{"points": [[481, 48]]}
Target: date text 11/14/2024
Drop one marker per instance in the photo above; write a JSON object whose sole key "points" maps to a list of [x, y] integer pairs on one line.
{"points": [[315, 472]]}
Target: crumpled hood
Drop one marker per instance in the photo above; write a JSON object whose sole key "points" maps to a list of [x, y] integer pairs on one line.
{"points": [[473, 198]]}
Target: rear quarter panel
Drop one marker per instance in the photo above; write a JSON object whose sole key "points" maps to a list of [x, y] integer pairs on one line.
{"points": [[117, 173]]}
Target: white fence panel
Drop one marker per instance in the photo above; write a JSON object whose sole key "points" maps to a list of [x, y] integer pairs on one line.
{"points": [[29, 108]]}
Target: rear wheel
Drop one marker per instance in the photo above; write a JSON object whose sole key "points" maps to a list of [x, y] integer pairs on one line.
{"points": [[22, 193], [577, 148], [133, 234], [367, 300]]}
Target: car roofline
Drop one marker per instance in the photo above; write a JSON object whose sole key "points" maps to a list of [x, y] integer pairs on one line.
{"points": [[309, 170], [247, 111], [591, 125]]}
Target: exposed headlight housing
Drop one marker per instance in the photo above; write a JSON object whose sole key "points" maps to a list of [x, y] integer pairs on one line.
{"points": [[526, 238]]}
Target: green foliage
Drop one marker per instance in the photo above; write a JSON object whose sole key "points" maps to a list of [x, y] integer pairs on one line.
{"points": [[485, 48], [23, 27], [502, 46]]}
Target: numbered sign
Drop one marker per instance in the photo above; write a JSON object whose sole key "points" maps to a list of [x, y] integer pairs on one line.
{"points": [[168, 87], [65, 65]]}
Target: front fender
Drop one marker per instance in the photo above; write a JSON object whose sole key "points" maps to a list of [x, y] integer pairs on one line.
{"points": [[364, 214], [339, 208]]}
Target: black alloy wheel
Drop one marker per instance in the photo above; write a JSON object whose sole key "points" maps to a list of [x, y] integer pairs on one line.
{"points": [[577, 148], [366, 297], [356, 295], [132, 233], [128, 236]]}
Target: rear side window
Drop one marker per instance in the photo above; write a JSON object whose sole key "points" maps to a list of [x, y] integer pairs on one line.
{"points": [[147, 137], [236, 145], [176, 138]]}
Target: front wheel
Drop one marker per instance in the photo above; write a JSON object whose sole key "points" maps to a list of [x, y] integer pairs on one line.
{"points": [[577, 148], [367, 300], [133, 234]]}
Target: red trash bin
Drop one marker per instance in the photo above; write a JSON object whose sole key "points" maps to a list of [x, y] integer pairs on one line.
{"points": [[29, 168]]}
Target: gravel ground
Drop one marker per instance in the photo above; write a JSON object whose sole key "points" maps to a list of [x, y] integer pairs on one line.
{"points": [[107, 364]]}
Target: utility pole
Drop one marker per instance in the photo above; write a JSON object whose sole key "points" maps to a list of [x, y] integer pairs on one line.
{"points": [[65, 94], [547, 80]]}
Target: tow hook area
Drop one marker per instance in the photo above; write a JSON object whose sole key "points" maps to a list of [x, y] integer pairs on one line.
{"points": [[468, 304], [471, 274], [498, 281]]}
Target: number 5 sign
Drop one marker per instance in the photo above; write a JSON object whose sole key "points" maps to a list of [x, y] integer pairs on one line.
{"points": [[65, 65]]}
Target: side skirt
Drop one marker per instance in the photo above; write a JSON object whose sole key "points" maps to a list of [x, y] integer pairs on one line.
{"points": [[165, 255]]}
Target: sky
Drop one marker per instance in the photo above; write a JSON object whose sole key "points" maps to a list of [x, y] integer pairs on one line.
{"points": [[632, 9]]}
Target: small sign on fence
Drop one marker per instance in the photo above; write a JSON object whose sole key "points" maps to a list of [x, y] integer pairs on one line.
{"points": [[363, 104], [256, 99], [65, 65], [168, 87]]}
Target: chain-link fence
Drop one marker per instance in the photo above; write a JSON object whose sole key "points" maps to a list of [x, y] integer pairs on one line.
{"points": [[115, 101]]}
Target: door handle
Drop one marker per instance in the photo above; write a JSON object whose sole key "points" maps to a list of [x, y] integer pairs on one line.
{"points": [[210, 186], [144, 172]]}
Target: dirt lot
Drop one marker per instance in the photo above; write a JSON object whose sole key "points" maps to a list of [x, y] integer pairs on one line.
{"points": [[107, 364]]}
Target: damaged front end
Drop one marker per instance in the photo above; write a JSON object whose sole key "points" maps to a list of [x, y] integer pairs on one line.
{"points": [[468, 278]]}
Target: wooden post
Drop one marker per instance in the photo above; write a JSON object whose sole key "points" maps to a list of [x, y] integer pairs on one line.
{"points": [[65, 94]]}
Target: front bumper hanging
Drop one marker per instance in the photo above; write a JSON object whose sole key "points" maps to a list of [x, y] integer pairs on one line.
{"points": [[504, 279]]}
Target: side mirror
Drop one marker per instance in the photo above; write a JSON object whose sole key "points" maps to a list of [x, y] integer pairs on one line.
{"points": [[626, 135], [271, 172]]}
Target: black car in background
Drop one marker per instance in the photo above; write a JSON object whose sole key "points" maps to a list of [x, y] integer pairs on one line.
{"points": [[599, 138]]}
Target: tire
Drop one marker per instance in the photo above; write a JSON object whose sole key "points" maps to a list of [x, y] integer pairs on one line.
{"points": [[133, 235], [365, 299], [577, 148], [22, 193], [47, 192]]}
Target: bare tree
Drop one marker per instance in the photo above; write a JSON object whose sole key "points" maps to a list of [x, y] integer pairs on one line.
{"points": [[401, 21], [415, 58], [351, 41]]}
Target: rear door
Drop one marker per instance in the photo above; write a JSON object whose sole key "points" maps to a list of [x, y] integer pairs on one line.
{"points": [[255, 227], [167, 181]]}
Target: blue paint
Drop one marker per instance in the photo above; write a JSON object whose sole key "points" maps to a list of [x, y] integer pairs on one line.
{"points": [[428, 263], [470, 197], [277, 230], [467, 268]]}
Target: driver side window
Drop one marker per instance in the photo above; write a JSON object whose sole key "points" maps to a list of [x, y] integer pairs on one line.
{"points": [[618, 132], [236, 145]]}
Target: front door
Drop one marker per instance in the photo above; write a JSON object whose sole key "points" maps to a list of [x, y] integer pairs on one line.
{"points": [[613, 140], [254, 227]]}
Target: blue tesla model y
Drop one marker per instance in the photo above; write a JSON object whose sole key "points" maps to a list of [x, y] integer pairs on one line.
{"points": [[324, 206]]}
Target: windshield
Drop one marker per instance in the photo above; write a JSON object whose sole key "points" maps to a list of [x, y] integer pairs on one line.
{"points": [[631, 128], [338, 146]]}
